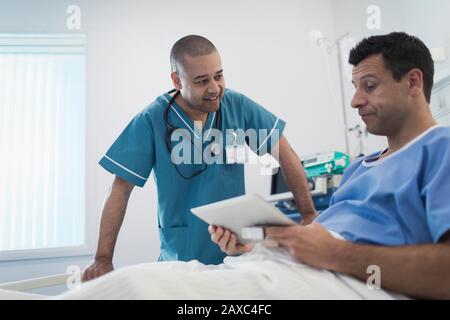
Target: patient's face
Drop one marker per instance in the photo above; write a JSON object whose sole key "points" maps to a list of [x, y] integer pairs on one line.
{"points": [[382, 102]]}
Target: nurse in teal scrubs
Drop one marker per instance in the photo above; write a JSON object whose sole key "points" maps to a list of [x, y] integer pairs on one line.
{"points": [[199, 107]]}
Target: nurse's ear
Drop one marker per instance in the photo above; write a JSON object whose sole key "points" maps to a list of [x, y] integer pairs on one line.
{"points": [[176, 80]]}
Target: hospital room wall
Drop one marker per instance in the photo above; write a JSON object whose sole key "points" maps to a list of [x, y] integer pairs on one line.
{"points": [[426, 19], [267, 54]]}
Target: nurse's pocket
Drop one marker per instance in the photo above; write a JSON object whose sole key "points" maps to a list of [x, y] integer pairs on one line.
{"points": [[173, 243]]}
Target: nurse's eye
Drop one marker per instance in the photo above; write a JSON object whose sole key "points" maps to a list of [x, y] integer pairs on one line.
{"points": [[202, 82], [218, 77]]}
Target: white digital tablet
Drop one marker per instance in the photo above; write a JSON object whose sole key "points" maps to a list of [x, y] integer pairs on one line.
{"points": [[242, 212]]}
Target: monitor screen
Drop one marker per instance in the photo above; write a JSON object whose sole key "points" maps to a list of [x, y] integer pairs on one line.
{"points": [[278, 184]]}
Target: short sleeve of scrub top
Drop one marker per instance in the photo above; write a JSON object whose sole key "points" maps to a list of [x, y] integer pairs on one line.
{"points": [[132, 155], [269, 127]]}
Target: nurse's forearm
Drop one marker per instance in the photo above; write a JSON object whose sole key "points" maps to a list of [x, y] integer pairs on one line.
{"points": [[113, 213], [295, 177]]}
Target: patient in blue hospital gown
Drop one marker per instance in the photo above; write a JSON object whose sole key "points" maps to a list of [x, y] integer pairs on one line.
{"points": [[402, 199]]}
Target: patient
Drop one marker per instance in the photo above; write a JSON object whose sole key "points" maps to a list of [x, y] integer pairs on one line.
{"points": [[392, 208]]}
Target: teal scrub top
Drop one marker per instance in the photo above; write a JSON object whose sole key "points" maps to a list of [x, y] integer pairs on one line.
{"points": [[142, 147]]}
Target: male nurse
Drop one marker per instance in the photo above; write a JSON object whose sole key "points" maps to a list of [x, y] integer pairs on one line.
{"points": [[178, 126]]}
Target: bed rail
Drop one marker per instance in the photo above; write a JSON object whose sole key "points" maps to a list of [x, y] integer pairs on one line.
{"points": [[36, 283]]}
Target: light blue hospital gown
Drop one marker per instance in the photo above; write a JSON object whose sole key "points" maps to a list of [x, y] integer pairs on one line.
{"points": [[402, 199], [141, 148]]}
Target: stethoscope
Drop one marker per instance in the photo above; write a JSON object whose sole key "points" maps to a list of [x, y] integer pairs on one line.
{"points": [[170, 129]]}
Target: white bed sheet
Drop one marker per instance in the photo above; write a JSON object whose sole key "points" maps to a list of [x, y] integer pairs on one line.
{"points": [[262, 274]]}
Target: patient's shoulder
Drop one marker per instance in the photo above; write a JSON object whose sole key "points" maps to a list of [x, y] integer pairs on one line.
{"points": [[437, 143], [441, 132]]}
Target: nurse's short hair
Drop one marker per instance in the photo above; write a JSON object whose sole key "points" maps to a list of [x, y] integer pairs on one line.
{"points": [[193, 46], [401, 53]]}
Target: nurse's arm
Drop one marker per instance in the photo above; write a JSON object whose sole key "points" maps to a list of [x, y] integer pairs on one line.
{"points": [[295, 177], [113, 212]]}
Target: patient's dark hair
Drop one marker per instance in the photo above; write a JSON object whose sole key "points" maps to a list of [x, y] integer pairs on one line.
{"points": [[401, 53], [191, 45]]}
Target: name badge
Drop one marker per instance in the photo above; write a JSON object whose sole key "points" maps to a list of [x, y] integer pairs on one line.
{"points": [[236, 154]]}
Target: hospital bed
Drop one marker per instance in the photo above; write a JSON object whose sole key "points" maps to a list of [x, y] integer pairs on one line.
{"points": [[19, 290], [266, 274]]}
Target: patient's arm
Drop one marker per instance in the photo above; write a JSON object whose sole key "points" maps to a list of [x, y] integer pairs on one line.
{"points": [[421, 271], [295, 177], [418, 270], [113, 213]]}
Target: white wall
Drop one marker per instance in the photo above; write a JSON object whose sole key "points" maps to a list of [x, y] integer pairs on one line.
{"points": [[266, 53], [427, 20]]}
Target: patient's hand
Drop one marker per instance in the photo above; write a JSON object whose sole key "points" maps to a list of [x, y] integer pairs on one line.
{"points": [[227, 241], [96, 269], [311, 244]]}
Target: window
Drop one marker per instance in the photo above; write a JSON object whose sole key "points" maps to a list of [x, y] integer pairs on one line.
{"points": [[42, 142], [440, 101]]}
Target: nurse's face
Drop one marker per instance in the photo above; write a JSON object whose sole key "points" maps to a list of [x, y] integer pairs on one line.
{"points": [[200, 81], [382, 102]]}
